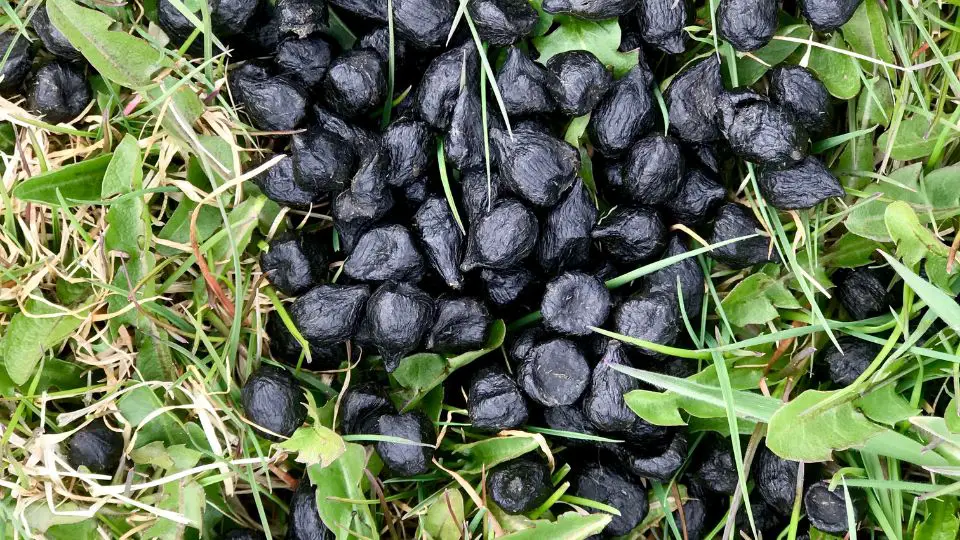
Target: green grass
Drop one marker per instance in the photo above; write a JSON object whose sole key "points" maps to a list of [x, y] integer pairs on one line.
{"points": [[143, 302]]}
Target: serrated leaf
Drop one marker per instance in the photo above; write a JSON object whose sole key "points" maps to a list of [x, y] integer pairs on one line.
{"points": [[799, 434], [755, 300], [316, 444], [124, 59], [28, 337], [840, 73], [602, 38], [569, 526], [77, 181], [338, 482]]}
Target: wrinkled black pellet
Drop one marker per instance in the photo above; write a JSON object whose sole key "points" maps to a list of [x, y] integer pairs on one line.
{"points": [[460, 325], [227, 17], [58, 92], [590, 9], [570, 418], [573, 302], [689, 274], [409, 147], [603, 403], [862, 293], [398, 316], [96, 447], [519, 485], [463, 143], [828, 15], [478, 195], [694, 519], [577, 80], [651, 317], [844, 367], [441, 238], [717, 472], [776, 480], [706, 155], [651, 436], [52, 38], [759, 131], [798, 90], [502, 238], [440, 86], [747, 24], [322, 160], [301, 17], [662, 22], [328, 314], [355, 83], [625, 114], [607, 484], [261, 35], [554, 373], [273, 399], [565, 235], [294, 263], [765, 518], [502, 22], [534, 165], [803, 185], [304, 59], [378, 39], [827, 510], [285, 348], [494, 402], [17, 65], [653, 170], [404, 459], [653, 462], [278, 184], [304, 518], [423, 22], [417, 191], [362, 141], [506, 286], [632, 234], [523, 85], [360, 207], [733, 221], [691, 101], [385, 253], [361, 403], [273, 103], [699, 196], [523, 343]]}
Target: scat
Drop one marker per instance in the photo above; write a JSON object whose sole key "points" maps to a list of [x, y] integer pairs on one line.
{"points": [[520, 485], [555, 373], [862, 293], [58, 92], [590, 9], [603, 403], [404, 459], [573, 302], [799, 91], [398, 316], [523, 85], [360, 207], [534, 165], [735, 221], [803, 185], [442, 240], [385, 253], [273, 103], [653, 170], [577, 80], [565, 235], [355, 82], [304, 59], [652, 317], [502, 238], [662, 23], [96, 447], [502, 22], [747, 24], [273, 400], [606, 484], [691, 101], [631, 234], [494, 401], [409, 147], [699, 196], [460, 325], [329, 314], [625, 114]]}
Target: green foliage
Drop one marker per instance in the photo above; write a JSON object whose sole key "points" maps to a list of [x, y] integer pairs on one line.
{"points": [[914, 241], [568, 526], [444, 518], [79, 181], [911, 139], [886, 406], [940, 521], [749, 69], [755, 300], [840, 73], [487, 453], [602, 38], [801, 432], [31, 334], [866, 33], [338, 483], [868, 219]]}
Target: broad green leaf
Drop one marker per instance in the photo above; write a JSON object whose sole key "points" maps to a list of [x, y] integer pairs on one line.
{"points": [[186, 498], [78, 181], [866, 32], [569, 526], [940, 521], [127, 219], [936, 267], [914, 241], [439, 523], [850, 251], [940, 303], [544, 20], [118, 56], [414, 372], [942, 188], [857, 155], [341, 480], [154, 359], [867, 220], [154, 454], [183, 106], [41, 518], [243, 221], [755, 300], [913, 139], [840, 73], [886, 406], [29, 337], [797, 433], [177, 227], [315, 444], [602, 38], [875, 104], [749, 70], [486, 453], [84, 530], [934, 429], [61, 374], [951, 416], [139, 403], [575, 130]]}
